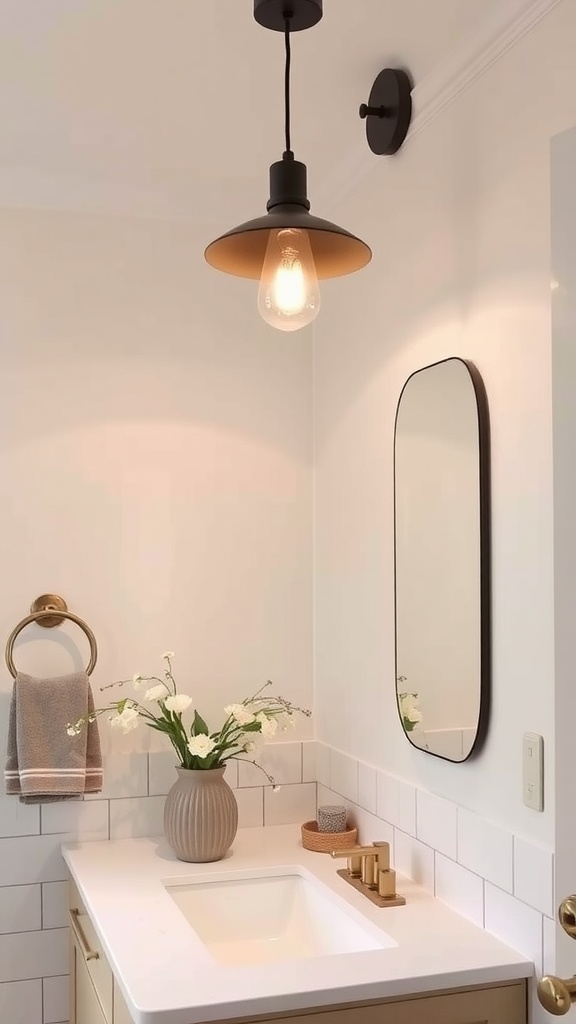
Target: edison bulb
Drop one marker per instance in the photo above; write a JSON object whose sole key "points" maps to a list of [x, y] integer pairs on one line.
{"points": [[289, 296]]}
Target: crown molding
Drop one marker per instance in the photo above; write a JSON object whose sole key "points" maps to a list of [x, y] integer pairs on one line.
{"points": [[430, 97]]}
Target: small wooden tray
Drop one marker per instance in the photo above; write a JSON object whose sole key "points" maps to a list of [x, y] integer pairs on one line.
{"points": [[324, 842]]}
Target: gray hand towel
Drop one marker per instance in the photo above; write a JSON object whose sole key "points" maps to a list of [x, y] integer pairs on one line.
{"points": [[43, 762]]}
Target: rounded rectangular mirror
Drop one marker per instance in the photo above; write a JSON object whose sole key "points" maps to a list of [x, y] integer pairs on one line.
{"points": [[442, 560]]}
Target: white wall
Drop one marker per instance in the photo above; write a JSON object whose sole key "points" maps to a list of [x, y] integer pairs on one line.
{"points": [[155, 456], [460, 224], [155, 470]]}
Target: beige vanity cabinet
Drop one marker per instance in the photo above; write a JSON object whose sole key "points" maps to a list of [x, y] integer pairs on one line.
{"points": [[499, 1004], [94, 994], [95, 997]]}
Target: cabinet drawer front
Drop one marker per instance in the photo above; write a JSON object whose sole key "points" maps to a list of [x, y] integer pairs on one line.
{"points": [[504, 1004], [87, 1009], [92, 952]]}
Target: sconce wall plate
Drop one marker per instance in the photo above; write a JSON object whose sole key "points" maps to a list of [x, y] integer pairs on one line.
{"points": [[272, 13], [388, 111]]}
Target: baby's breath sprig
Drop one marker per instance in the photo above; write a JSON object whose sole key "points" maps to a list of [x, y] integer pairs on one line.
{"points": [[161, 707]]}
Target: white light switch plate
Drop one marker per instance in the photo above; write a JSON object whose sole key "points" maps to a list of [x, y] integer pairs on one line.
{"points": [[533, 771]]}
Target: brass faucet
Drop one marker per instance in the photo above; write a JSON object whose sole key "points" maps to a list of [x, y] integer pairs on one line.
{"points": [[368, 870]]}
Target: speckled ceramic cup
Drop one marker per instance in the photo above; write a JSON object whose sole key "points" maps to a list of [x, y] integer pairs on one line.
{"points": [[331, 818]]}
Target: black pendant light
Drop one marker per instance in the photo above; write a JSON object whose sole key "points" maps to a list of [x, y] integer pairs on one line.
{"points": [[287, 248]]}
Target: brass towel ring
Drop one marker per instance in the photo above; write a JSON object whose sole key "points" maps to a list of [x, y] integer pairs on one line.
{"points": [[45, 610]]}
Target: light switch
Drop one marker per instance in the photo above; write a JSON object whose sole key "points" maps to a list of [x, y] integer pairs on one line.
{"points": [[533, 771]]}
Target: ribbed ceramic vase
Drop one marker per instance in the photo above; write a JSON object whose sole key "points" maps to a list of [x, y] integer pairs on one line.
{"points": [[200, 815]]}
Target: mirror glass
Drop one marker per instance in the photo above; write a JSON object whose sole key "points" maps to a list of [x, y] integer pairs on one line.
{"points": [[441, 536]]}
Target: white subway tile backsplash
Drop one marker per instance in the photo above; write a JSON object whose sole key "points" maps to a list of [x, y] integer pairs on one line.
{"points": [[33, 954], [371, 829], [436, 823], [56, 999], [328, 796], [17, 819], [283, 761], [78, 819], [125, 775], [414, 859], [20, 908], [21, 1002], [406, 819], [548, 945], [290, 804], [133, 818], [460, 889], [514, 923], [485, 849], [534, 875], [250, 807], [309, 772], [32, 859], [323, 764], [367, 787], [54, 904], [344, 775], [387, 797]]}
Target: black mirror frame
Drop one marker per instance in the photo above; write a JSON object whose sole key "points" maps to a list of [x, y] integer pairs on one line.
{"points": [[485, 559]]}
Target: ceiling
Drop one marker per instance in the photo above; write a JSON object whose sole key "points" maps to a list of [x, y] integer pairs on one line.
{"points": [[173, 108]]}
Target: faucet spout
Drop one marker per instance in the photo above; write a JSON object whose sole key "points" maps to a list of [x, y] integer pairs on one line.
{"points": [[368, 870]]}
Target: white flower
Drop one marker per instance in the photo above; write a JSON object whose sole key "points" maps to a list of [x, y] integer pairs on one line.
{"points": [[126, 720], [268, 726], [72, 730], [240, 714], [409, 709], [248, 747], [201, 745], [155, 692], [137, 680], [168, 654], [276, 789], [414, 715], [179, 702]]}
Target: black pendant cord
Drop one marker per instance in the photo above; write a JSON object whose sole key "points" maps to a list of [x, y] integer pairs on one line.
{"points": [[288, 155]]}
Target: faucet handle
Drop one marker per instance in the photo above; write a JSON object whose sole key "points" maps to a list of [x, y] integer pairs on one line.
{"points": [[366, 862], [387, 884]]}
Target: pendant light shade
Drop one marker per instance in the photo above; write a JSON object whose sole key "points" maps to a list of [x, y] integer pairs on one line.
{"points": [[242, 250], [288, 249]]}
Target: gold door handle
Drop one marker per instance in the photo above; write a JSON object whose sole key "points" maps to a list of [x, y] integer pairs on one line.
{"points": [[556, 995], [567, 916]]}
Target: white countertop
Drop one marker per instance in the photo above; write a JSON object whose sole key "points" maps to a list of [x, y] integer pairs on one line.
{"points": [[168, 976]]}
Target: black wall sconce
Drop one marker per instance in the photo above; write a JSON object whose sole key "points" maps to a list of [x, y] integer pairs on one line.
{"points": [[288, 249]]}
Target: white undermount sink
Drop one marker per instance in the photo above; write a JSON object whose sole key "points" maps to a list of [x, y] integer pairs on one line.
{"points": [[268, 918]]}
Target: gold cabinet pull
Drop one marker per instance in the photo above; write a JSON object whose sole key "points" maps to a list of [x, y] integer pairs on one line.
{"points": [[556, 995], [89, 954]]}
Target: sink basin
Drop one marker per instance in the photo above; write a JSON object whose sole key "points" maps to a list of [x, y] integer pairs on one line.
{"points": [[269, 918]]}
